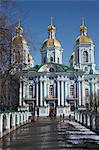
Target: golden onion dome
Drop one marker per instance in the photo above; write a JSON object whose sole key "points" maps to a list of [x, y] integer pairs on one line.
{"points": [[83, 28], [51, 42], [51, 28], [84, 39], [19, 40], [19, 29]]}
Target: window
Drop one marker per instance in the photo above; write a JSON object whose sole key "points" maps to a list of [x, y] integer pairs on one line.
{"points": [[72, 91], [30, 91], [86, 93], [72, 107], [86, 68], [85, 56], [51, 91], [51, 70], [51, 59], [44, 59], [58, 60]]}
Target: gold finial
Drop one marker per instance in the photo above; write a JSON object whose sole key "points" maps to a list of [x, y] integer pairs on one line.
{"points": [[83, 21], [51, 21]]}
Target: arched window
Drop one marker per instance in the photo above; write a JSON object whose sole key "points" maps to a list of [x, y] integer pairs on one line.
{"points": [[51, 91], [85, 56], [51, 59], [51, 69], [86, 93], [30, 91], [58, 60], [44, 59], [72, 91]]}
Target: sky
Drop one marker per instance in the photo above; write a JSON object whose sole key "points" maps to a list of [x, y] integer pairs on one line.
{"points": [[67, 16]]}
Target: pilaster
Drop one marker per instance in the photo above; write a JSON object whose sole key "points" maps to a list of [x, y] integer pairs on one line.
{"points": [[41, 100], [62, 91], [37, 103], [58, 92]]}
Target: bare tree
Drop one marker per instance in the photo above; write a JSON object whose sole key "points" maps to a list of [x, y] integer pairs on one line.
{"points": [[7, 88]]}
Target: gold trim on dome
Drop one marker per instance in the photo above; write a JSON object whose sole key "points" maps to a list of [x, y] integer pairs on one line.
{"points": [[83, 28]]}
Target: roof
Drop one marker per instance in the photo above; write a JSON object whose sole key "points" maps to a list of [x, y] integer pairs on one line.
{"points": [[53, 67]]}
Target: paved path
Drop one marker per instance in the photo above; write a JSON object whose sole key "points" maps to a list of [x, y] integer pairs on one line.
{"points": [[51, 134]]}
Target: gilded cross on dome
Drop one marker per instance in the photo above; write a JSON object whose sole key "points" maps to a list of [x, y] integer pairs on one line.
{"points": [[51, 27], [19, 29], [51, 21], [83, 21], [19, 24]]}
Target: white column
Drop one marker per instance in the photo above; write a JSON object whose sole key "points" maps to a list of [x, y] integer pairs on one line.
{"points": [[58, 93], [14, 124], [24, 90], [83, 93], [41, 98], [37, 93], [22, 114], [96, 93], [93, 91], [18, 119], [45, 94], [66, 94], [54, 89], [8, 122], [92, 55], [45, 89], [62, 93], [20, 94], [33, 89], [79, 83]]}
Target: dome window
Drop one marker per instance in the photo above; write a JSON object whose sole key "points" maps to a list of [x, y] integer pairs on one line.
{"points": [[51, 70]]}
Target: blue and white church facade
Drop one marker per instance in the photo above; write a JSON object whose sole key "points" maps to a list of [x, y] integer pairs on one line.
{"points": [[53, 88]]}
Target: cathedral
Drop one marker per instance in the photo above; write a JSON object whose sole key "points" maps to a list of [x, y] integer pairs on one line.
{"points": [[52, 88]]}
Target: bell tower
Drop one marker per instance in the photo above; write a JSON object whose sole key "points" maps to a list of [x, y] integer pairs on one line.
{"points": [[51, 50], [84, 50], [20, 56]]}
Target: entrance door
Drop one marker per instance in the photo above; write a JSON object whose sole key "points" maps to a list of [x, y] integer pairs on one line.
{"points": [[52, 110]]}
